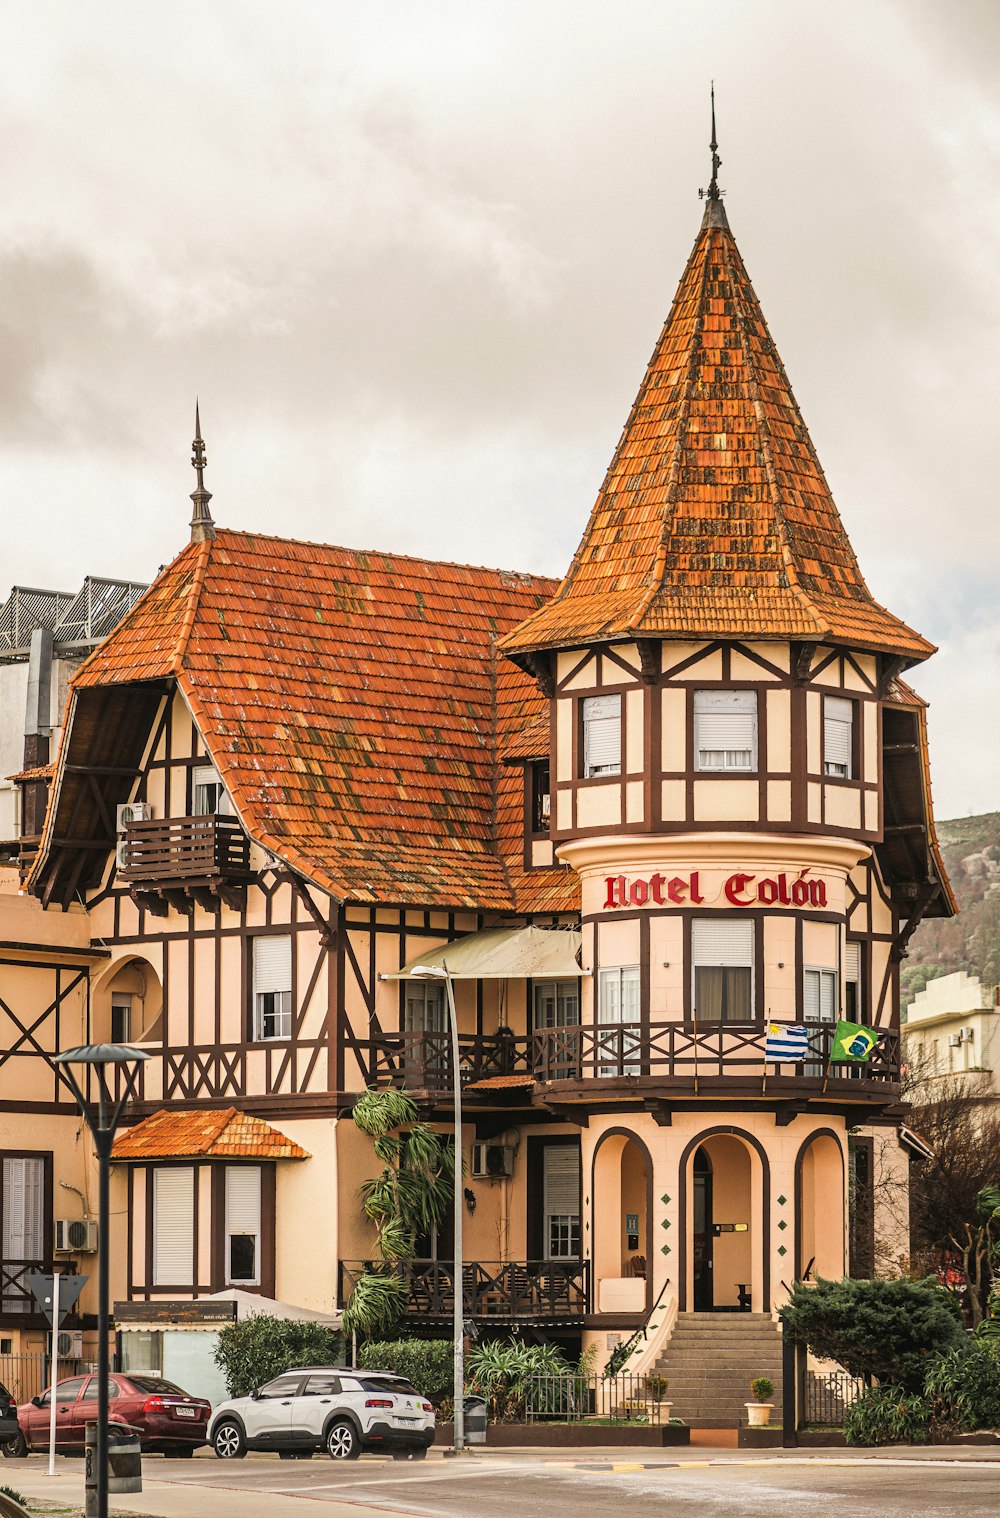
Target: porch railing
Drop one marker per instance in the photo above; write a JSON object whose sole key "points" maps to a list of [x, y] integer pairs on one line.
{"points": [[184, 849], [505, 1290], [670, 1051], [622, 1398], [15, 1293], [828, 1396]]}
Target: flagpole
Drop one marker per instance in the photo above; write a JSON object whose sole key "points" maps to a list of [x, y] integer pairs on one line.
{"points": [[829, 1061], [694, 1022], [767, 1029]]}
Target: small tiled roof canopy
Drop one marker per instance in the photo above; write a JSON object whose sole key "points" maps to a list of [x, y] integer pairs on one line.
{"points": [[715, 518], [354, 704], [227, 1135]]}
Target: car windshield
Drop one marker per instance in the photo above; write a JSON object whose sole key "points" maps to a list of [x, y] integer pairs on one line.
{"points": [[387, 1384], [156, 1384]]}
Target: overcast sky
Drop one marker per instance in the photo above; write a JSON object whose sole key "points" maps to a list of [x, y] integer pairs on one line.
{"points": [[414, 254]]}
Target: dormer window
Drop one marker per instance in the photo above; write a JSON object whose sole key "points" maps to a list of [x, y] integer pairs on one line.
{"points": [[725, 730], [540, 795], [602, 736], [838, 737], [209, 797]]}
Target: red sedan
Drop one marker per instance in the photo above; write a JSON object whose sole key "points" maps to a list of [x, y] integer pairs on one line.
{"points": [[166, 1417]]}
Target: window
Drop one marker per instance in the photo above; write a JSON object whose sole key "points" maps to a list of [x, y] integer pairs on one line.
{"points": [[722, 961], [209, 796], [424, 1008], [556, 1004], [322, 1386], [838, 737], [121, 1017], [282, 1386], [272, 987], [541, 797], [619, 1008], [725, 730], [243, 1225], [561, 1201], [68, 1391], [23, 1233], [820, 999], [853, 1003], [173, 1226], [602, 735]]}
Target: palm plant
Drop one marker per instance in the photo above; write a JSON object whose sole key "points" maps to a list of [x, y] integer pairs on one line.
{"points": [[406, 1198]]}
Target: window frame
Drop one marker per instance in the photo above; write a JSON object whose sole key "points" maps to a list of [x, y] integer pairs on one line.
{"points": [[223, 806], [229, 1233], [285, 1011], [585, 770], [539, 815], [725, 771], [20, 1307], [694, 1013], [121, 1001], [853, 775], [152, 1172], [834, 974]]}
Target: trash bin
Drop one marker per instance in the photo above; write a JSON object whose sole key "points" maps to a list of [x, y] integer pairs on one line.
{"points": [[475, 1420], [124, 1462]]}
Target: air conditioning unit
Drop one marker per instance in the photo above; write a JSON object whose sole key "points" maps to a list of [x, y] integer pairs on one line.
{"points": [[69, 1345], [492, 1161], [121, 848], [76, 1236], [968, 1034], [954, 1040], [131, 811]]}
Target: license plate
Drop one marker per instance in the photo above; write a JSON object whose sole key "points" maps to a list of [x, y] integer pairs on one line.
{"points": [[186, 1412], [401, 1419]]}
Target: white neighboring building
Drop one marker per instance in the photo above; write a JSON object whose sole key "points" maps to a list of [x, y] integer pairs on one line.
{"points": [[953, 1028]]}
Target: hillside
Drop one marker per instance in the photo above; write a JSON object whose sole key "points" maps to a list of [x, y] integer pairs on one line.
{"points": [[970, 941]]}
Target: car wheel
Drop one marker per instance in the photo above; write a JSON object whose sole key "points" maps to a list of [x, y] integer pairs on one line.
{"points": [[183, 1452], [419, 1454], [16, 1448], [229, 1441], [400, 1454], [342, 1442]]}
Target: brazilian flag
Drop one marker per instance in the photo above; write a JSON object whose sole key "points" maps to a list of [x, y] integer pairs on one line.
{"points": [[853, 1042]]}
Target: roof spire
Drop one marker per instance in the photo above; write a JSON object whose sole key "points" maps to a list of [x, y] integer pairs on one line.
{"points": [[202, 526], [715, 215]]}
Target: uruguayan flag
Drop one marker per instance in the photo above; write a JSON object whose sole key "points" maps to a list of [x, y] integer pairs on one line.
{"points": [[786, 1041]]}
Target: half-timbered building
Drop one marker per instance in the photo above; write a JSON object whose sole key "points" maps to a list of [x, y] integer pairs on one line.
{"points": [[294, 769]]}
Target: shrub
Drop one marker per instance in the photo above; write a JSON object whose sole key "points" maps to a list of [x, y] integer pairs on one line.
{"points": [[258, 1348], [761, 1388], [963, 1386], [657, 1387], [428, 1363], [888, 1415], [887, 1329], [502, 1371]]}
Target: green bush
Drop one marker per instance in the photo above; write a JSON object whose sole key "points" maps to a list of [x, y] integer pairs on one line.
{"points": [[888, 1415], [428, 1363], [963, 1386], [889, 1330], [502, 1371], [258, 1348], [761, 1388]]}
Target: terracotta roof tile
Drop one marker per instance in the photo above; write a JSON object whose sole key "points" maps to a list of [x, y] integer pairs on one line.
{"points": [[715, 518], [40, 772], [229, 1134]]}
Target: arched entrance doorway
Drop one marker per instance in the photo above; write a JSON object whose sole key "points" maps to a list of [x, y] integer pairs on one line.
{"points": [[622, 1186], [820, 1209], [724, 1189]]}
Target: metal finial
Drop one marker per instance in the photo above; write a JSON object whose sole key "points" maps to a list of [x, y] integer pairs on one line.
{"points": [[202, 526], [713, 192]]}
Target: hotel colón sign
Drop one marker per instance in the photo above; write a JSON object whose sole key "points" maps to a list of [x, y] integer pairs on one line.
{"points": [[785, 889]]}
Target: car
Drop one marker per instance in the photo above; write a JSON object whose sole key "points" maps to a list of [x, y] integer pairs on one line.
{"points": [[332, 1408], [167, 1419], [11, 1437]]}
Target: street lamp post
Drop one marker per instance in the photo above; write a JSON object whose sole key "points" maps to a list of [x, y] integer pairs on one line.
{"points": [[440, 972], [102, 1118]]}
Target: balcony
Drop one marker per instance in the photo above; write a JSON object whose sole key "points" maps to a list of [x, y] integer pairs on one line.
{"points": [[16, 1300], [203, 858], [667, 1058], [508, 1291]]}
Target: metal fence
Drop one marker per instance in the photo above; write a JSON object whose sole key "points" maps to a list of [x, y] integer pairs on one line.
{"points": [[828, 1396], [27, 1376], [623, 1398]]}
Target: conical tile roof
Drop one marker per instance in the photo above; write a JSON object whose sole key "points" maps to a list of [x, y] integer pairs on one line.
{"points": [[715, 518]]}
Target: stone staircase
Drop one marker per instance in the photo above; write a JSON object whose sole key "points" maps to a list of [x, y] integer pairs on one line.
{"points": [[710, 1360]]}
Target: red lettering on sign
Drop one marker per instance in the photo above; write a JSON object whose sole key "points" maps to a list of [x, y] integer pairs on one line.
{"points": [[696, 896], [800, 892], [783, 896], [638, 893], [817, 893], [676, 889], [735, 889], [656, 886], [767, 891]]}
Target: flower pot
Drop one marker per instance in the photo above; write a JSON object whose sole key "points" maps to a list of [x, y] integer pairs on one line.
{"points": [[759, 1413], [659, 1412]]}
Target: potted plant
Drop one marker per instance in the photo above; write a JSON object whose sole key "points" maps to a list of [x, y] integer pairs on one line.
{"points": [[759, 1410], [656, 1386]]}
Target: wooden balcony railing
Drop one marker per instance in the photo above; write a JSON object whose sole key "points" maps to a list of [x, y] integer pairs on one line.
{"points": [[184, 849], [15, 1293], [671, 1053], [514, 1291]]}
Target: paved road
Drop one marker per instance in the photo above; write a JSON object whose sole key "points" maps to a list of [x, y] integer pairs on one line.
{"points": [[889, 1484]]}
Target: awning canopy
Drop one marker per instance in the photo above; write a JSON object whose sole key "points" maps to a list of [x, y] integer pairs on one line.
{"points": [[502, 954]]}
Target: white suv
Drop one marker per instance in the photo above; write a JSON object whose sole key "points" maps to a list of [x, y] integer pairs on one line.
{"points": [[341, 1411]]}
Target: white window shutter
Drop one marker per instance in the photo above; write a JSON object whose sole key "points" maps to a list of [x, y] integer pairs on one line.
{"points": [[561, 1181], [272, 964], [173, 1226], [838, 735], [852, 961], [602, 735], [23, 1208], [725, 729], [721, 942], [243, 1199]]}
